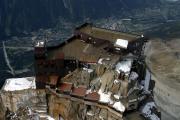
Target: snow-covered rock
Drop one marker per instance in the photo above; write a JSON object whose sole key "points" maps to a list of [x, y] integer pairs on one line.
{"points": [[147, 111], [124, 66]]}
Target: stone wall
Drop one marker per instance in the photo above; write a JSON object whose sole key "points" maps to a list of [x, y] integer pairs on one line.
{"points": [[30, 97], [2, 110], [77, 110]]}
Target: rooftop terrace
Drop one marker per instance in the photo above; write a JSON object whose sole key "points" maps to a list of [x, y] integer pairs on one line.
{"points": [[106, 34], [90, 43]]}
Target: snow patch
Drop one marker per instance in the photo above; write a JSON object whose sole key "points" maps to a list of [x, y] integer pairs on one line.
{"points": [[47, 117], [88, 70], [119, 106], [100, 60], [14, 84], [121, 43], [116, 81], [116, 96], [124, 66], [133, 76], [105, 98]]}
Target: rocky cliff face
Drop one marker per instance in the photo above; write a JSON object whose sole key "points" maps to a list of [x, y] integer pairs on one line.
{"points": [[163, 61], [19, 16]]}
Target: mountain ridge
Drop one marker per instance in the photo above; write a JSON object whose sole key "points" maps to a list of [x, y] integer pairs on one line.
{"points": [[19, 16]]}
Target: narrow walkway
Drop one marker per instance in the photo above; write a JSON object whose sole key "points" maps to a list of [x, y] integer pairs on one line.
{"points": [[97, 104]]}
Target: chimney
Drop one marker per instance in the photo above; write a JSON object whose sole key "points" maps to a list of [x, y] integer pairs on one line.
{"points": [[40, 49]]}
